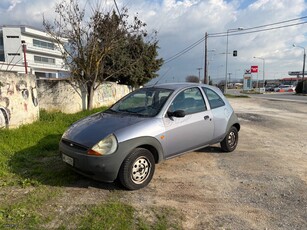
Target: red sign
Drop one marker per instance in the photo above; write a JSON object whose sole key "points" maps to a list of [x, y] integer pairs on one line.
{"points": [[254, 69]]}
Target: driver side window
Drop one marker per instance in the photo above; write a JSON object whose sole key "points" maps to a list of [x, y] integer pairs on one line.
{"points": [[189, 100]]}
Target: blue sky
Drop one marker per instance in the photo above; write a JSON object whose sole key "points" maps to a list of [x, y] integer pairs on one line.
{"points": [[181, 23]]}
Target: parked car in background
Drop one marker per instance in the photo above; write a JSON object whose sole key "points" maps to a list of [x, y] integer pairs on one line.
{"points": [[270, 88], [148, 126], [285, 88]]}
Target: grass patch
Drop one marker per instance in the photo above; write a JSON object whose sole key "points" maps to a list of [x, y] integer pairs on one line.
{"points": [[236, 96], [26, 211], [114, 214], [34, 192], [29, 154], [109, 215]]}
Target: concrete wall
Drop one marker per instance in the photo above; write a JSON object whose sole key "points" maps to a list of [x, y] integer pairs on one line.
{"points": [[21, 97], [18, 100], [68, 97]]}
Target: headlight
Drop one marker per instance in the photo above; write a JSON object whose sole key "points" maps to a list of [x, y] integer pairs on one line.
{"points": [[104, 147]]}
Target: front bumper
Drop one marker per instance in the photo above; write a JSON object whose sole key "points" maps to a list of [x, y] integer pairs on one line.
{"points": [[101, 168], [106, 168]]}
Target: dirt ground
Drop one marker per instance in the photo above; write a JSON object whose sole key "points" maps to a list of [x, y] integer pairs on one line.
{"points": [[261, 185]]}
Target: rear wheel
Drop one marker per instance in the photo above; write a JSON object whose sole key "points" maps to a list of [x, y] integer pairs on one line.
{"points": [[229, 143], [137, 169]]}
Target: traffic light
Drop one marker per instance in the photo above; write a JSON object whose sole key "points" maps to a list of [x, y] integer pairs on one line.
{"points": [[235, 53]]}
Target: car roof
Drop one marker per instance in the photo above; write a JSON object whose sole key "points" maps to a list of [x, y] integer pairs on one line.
{"points": [[176, 86]]}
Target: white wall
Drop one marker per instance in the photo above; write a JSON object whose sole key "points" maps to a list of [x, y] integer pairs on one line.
{"points": [[21, 97], [18, 100], [68, 97]]}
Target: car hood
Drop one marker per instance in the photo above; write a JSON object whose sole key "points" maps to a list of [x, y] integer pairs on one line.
{"points": [[90, 130]]}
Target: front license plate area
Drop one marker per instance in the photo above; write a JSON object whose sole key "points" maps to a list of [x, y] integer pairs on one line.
{"points": [[67, 159]]}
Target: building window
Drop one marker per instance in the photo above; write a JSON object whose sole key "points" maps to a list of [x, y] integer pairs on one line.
{"points": [[43, 44], [44, 60], [10, 36], [13, 54]]}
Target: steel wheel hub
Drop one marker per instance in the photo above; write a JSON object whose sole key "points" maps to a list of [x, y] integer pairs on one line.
{"points": [[232, 139], [140, 170]]}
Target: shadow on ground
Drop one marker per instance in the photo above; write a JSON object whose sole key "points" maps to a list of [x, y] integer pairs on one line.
{"points": [[210, 149], [42, 164]]}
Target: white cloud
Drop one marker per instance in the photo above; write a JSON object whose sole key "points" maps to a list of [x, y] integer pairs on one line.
{"points": [[181, 23]]}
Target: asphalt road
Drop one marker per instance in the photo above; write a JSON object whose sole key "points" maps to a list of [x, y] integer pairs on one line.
{"points": [[274, 96]]}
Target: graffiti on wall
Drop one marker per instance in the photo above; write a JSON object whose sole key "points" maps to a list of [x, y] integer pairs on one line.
{"points": [[4, 103], [106, 92], [10, 92]]}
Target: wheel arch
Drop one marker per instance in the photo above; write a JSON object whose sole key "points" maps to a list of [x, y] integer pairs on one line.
{"points": [[153, 150], [237, 125], [149, 143], [233, 121]]}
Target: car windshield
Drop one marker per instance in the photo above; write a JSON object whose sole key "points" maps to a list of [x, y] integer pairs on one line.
{"points": [[143, 102]]}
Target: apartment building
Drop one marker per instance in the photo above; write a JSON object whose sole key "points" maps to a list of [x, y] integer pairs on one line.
{"points": [[28, 50]]}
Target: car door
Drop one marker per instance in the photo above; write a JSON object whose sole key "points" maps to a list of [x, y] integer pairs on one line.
{"points": [[219, 111], [192, 131]]}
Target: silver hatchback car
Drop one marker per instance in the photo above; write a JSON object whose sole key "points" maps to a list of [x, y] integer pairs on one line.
{"points": [[148, 126]]}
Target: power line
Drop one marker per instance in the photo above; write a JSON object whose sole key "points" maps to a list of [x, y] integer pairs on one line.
{"points": [[256, 31], [184, 50], [245, 31], [256, 27]]}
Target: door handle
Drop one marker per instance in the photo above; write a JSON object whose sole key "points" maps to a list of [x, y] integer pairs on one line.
{"points": [[206, 117]]}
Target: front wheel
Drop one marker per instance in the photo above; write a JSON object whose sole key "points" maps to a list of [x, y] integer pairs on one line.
{"points": [[229, 143], [137, 169]]}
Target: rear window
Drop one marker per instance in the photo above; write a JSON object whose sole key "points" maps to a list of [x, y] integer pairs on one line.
{"points": [[214, 99]]}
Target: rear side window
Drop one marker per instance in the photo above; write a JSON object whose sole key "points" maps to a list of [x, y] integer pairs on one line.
{"points": [[214, 99]]}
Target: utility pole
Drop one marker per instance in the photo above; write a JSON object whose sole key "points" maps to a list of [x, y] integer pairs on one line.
{"points": [[206, 60], [24, 49], [303, 73]]}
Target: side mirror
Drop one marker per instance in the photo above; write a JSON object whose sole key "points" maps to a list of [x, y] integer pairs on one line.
{"points": [[177, 113]]}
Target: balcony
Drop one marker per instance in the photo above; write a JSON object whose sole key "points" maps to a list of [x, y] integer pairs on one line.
{"points": [[47, 52]]}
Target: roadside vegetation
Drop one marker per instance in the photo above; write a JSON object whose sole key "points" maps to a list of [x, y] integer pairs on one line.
{"points": [[236, 96], [34, 183]]}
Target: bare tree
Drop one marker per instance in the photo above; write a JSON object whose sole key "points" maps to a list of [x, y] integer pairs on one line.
{"points": [[192, 78], [88, 44]]}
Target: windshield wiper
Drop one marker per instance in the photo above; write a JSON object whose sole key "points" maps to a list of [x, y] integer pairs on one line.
{"points": [[126, 111], [135, 112], [111, 111]]}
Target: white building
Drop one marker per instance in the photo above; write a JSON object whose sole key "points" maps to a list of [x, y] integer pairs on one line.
{"points": [[42, 55]]}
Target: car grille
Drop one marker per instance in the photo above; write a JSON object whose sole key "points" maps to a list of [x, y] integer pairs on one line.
{"points": [[74, 145]]}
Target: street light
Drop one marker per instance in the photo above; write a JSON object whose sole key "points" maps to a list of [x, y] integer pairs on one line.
{"points": [[229, 30], [263, 66], [199, 74], [304, 58], [207, 76]]}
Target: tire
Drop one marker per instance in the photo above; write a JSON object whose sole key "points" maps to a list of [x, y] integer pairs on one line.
{"points": [[137, 169], [230, 142]]}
